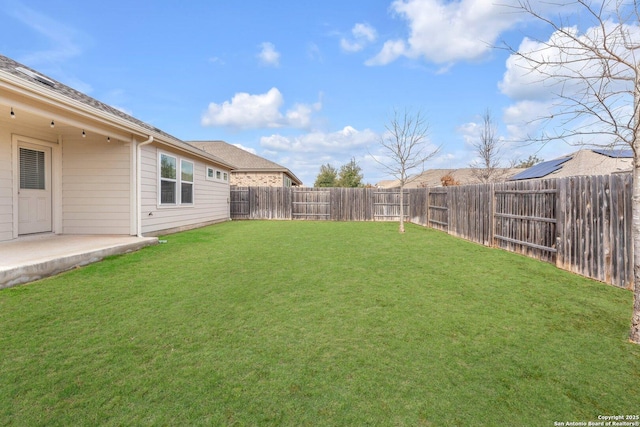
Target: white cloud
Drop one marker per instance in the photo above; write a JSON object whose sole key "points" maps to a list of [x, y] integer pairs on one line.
{"points": [[363, 34], [523, 118], [391, 50], [268, 55], [470, 132], [447, 31], [341, 141], [523, 80], [247, 111], [300, 116]]}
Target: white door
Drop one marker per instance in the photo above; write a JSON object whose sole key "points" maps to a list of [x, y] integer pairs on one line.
{"points": [[34, 191]]}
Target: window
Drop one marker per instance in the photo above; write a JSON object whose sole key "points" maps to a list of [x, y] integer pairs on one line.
{"points": [[186, 176], [31, 169], [216, 175], [176, 180], [168, 181]]}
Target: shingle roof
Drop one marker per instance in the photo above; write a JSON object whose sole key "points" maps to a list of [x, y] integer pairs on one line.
{"points": [[433, 177], [46, 84], [242, 160]]}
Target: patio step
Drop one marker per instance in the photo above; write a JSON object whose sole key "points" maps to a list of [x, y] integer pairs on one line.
{"points": [[32, 258]]}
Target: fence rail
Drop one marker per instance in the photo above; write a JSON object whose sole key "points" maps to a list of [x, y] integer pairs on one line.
{"points": [[582, 224]]}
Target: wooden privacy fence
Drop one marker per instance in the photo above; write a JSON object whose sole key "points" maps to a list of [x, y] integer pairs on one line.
{"points": [[582, 224], [594, 228], [334, 204]]}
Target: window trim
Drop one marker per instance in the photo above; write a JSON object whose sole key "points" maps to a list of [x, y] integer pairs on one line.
{"points": [[192, 182], [219, 175], [162, 179], [178, 181], [213, 173]]}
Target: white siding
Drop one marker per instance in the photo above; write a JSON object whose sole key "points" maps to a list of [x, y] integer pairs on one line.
{"points": [[211, 198], [96, 188], [6, 186]]}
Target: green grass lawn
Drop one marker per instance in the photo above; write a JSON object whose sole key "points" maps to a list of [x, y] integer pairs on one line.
{"points": [[316, 323]]}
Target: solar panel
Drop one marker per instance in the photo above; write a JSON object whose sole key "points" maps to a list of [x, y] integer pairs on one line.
{"points": [[615, 153], [541, 169]]}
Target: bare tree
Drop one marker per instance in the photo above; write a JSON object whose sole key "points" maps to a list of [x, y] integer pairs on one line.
{"points": [[487, 168], [596, 77], [405, 146]]}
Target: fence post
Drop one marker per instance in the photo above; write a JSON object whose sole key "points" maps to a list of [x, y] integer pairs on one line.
{"points": [[427, 203], [447, 201], [492, 210], [561, 208]]}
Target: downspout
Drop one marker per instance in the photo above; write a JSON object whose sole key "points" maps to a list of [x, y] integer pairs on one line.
{"points": [[139, 183]]}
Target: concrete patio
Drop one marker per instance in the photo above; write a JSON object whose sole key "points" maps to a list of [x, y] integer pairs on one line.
{"points": [[33, 257]]}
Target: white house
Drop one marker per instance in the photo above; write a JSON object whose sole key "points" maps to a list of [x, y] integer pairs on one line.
{"points": [[70, 164]]}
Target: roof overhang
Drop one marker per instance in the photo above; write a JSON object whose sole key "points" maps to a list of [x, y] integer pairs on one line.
{"points": [[31, 97]]}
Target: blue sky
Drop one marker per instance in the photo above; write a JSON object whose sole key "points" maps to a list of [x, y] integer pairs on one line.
{"points": [[302, 83]]}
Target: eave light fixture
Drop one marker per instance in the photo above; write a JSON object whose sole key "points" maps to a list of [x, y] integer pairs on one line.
{"points": [[13, 115], [83, 133], [52, 124]]}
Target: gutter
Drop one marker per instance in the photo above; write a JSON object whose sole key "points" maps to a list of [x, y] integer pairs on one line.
{"points": [[139, 184]]}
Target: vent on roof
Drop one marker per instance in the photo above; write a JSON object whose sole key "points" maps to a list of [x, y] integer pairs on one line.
{"points": [[615, 153], [36, 76], [541, 169]]}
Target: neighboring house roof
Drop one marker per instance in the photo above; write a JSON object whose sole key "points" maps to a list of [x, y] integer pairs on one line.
{"points": [[432, 177], [242, 160], [542, 169], [17, 74], [582, 162], [387, 183]]}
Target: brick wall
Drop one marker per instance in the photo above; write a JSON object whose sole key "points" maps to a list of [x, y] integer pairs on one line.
{"points": [[257, 179]]}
